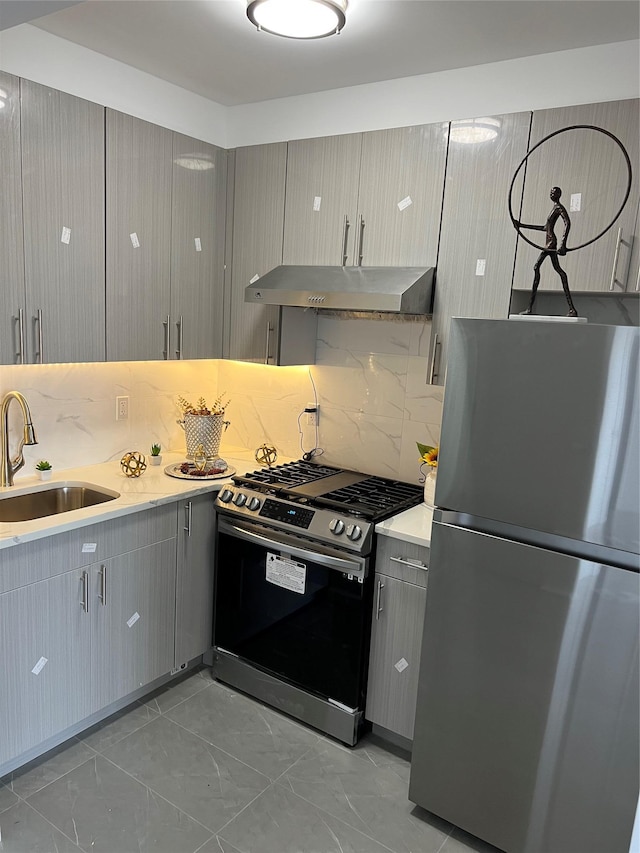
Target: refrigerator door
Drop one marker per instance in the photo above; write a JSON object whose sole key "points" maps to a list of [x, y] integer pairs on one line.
{"points": [[540, 428], [526, 730]]}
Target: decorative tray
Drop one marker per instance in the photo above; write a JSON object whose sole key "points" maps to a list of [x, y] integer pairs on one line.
{"points": [[194, 474]]}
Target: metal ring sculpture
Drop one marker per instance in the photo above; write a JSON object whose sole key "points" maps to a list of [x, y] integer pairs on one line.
{"points": [[515, 222]]}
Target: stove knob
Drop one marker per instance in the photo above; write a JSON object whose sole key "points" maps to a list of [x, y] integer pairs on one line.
{"points": [[354, 532], [336, 526], [240, 499], [226, 495], [254, 504]]}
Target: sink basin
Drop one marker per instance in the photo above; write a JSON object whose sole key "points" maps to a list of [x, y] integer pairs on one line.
{"points": [[52, 500]]}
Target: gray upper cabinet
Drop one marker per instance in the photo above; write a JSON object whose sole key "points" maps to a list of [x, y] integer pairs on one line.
{"points": [[63, 212], [400, 196], [139, 179], [591, 172], [12, 297], [258, 216], [198, 206], [322, 200], [478, 241]]}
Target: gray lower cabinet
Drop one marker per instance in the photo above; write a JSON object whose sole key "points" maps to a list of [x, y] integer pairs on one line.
{"points": [[590, 169], [258, 176], [198, 213], [396, 636], [12, 295], [194, 583], [138, 238], [477, 242]]}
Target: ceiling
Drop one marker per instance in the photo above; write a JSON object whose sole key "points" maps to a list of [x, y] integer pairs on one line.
{"points": [[210, 48]]}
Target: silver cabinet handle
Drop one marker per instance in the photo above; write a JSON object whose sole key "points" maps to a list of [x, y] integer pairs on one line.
{"points": [[38, 319], [615, 259], [379, 607], [345, 239], [361, 241], [103, 585], [20, 353], [415, 564], [638, 280], [432, 373], [84, 603], [266, 353], [187, 520], [179, 328], [165, 323]]}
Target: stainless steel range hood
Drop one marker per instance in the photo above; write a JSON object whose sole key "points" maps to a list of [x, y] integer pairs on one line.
{"points": [[405, 290]]}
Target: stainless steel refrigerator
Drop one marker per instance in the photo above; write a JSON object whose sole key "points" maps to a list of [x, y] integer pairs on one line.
{"points": [[527, 719]]}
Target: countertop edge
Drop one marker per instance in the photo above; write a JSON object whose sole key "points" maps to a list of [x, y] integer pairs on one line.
{"points": [[413, 525]]}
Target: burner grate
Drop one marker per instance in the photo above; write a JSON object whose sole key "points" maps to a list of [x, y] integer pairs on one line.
{"points": [[288, 475]]}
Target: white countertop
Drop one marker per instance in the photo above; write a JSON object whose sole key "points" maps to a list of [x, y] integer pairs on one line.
{"points": [[152, 488], [412, 525]]}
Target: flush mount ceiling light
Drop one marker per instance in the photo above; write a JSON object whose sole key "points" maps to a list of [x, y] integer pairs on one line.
{"points": [[298, 19], [473, 130], [195, 162]]}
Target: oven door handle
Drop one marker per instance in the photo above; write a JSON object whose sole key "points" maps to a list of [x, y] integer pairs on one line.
{"points": [[349, 566]]}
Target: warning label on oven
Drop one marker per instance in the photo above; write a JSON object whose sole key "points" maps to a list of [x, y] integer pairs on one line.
{"points": [[286, 573]]}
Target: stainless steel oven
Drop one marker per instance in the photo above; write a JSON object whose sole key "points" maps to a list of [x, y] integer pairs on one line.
{"points": [[293, 598]]}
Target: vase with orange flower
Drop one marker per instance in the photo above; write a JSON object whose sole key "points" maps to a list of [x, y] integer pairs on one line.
{"points": [[429, 467]]}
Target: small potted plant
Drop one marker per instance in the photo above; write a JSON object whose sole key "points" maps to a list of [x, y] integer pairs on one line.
{"points": [[155, 457], [429, 457], [44, 469]]}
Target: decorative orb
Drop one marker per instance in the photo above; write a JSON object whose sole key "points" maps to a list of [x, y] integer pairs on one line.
{"points": [[266, 454], [133, 463]]}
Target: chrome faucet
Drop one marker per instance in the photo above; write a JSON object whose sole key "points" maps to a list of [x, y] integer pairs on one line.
{"points": [[10, 466]]}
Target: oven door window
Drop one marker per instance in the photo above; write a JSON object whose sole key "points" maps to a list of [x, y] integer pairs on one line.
{"points": [[293, 617]]}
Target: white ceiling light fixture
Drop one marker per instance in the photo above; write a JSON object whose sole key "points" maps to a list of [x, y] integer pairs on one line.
{"points": [[473, 130], [298, 19]]}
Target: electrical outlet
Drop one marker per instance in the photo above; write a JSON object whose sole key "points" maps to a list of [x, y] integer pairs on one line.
{"points": [[122, 408], [312, 414]]}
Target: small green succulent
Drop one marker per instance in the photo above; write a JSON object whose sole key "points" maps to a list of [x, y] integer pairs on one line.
{"points": [[43, 465], [155, 449]]}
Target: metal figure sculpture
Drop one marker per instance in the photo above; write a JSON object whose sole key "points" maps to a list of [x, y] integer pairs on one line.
{"points": [[551, 249]]}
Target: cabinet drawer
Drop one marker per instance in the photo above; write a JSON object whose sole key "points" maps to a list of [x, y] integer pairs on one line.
{"points": [[394, 558], [22, 565]]}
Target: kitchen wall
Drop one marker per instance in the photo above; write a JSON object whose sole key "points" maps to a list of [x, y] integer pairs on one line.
{"points": [[369, 380]]}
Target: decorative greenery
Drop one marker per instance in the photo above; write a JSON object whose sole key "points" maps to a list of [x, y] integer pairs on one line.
{"points": [[43, 465], [217, 407], [428, 454], [155, 449]]}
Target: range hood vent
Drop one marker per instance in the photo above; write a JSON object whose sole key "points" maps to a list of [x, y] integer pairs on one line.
{"points": [[404, 290]]}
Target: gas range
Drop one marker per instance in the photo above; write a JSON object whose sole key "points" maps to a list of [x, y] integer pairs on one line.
{"points": [[331, 505]]}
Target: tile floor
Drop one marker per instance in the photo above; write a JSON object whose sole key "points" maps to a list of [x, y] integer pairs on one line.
{"points": [[199, 767]]}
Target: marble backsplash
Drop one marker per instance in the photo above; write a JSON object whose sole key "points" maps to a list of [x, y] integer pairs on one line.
{"points": [[369, 381]]}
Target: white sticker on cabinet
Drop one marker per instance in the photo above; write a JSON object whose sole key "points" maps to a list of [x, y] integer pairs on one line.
{"points": [[66, 235], [317, 201], [404, 203], [39, 666], [255, 278], [286, 573], [576, 202], [481, 265], [198, 243], [89, 547], [134, 240], [401, 665], [133, 619]]}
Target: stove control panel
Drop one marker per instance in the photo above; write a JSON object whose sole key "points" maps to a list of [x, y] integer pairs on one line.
{"points": [[321, 524]]}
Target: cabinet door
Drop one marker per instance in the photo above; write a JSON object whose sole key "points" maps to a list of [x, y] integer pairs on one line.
{"points": [[194, 588], [63, 178], [478, 241], [138, 179], [400, 198], [394, 663], [45, 649], [321, 201], [133, 610], [11, 248], [259, 176], [197, 248], [591, 172]]}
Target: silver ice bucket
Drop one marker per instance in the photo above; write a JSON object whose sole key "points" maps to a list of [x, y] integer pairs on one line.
{"points": [[205, 430]]}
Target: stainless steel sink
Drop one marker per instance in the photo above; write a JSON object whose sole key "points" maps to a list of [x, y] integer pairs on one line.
{"points": [[52, 500]]}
